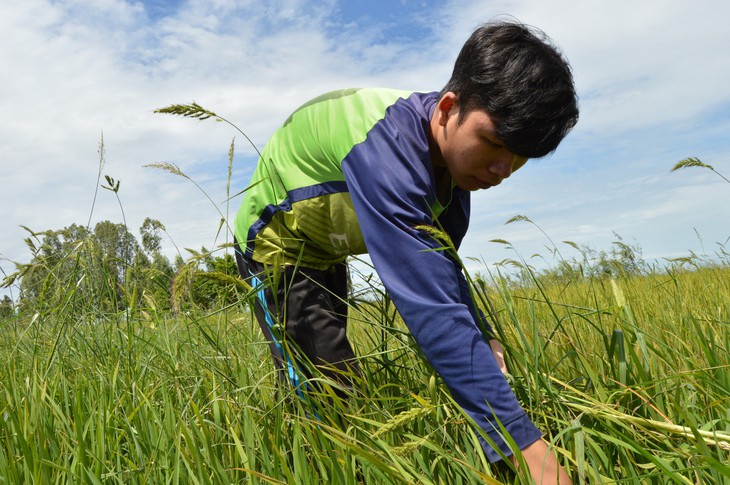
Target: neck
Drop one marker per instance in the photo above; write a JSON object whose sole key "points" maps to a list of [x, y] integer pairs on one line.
{"points": [[441, 177], [433, 147]]}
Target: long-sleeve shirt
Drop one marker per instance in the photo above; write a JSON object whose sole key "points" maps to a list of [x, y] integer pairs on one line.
{"points": [[351, 172]]}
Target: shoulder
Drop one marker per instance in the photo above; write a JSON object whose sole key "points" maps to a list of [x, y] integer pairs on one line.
{"points": [[393, 160], [401, 129], [349, 102]]}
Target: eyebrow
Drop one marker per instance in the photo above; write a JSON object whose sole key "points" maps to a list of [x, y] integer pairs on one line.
{"points": [[484, 129]]}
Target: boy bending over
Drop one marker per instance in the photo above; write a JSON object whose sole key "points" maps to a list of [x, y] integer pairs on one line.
{"points": [[364, 170]]}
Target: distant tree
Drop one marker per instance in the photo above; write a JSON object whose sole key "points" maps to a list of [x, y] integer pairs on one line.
{"points": [[150, 231], [117, 250], [118, 245], [158, 272], [105, 269], [213, 288], [206, 281], [179, 263], [622, 259], [54, 265], [6, 307]]}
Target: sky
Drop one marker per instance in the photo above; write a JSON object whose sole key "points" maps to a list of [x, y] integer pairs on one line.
{"points": [[651, 77]]}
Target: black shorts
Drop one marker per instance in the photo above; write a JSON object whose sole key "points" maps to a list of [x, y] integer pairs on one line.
{"points": [[303, 314]]}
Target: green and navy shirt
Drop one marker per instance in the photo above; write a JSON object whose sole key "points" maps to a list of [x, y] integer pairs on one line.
{"points": [[351, 172]]}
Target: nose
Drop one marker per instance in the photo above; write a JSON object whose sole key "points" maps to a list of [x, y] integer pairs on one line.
{"points": [[502, 167]]}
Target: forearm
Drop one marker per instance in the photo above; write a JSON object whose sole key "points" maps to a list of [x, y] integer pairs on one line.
{"points": [[498, 352], [543, 464]]}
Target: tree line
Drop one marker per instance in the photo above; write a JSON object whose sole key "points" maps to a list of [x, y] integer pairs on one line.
{"points": [[107, 269]]}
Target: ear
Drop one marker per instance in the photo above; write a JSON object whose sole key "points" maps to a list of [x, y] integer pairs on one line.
{"points": [[447, 106]]}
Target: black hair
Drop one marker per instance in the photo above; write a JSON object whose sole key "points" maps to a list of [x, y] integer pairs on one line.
{"points": [[516, 74]]}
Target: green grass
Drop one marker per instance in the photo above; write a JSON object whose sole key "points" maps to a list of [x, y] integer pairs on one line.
{"points": [[629, 379], [636, 370]]}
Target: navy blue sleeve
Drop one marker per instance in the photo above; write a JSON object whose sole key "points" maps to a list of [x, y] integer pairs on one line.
{"points": [[455, 221], [391, 187]]}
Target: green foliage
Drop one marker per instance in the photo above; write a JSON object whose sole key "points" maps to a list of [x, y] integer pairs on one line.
{"points": [[629, 380], [6, 307], [109, 268], [622, 259], [624, 367], [80, 269], [206, 281], [150, 232]]}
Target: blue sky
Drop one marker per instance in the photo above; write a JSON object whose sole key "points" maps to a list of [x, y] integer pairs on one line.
{"points": [[651, 76]]}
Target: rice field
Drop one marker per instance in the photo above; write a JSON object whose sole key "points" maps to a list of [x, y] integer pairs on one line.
{"points": [[629, 377], [627, 374]]}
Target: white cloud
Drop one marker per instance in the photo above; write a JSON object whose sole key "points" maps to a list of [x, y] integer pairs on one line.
{"points": [[636, 64]]}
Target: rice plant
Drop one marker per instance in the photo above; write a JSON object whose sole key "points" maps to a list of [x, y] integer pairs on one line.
{"points": [[627, 374]]}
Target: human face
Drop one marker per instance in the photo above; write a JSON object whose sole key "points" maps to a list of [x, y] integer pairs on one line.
{"points": [[470, 151]]}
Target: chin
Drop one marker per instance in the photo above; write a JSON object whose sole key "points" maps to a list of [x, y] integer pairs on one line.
{"points": [[469, 187], [479, 187]]}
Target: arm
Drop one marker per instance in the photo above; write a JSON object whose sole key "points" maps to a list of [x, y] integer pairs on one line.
{"points": [[541, 462], [498, 352], [455, 221], [543, 465], [389, 186]]}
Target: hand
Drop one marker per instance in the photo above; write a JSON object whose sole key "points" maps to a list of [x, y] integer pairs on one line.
{"points": [[543, 465], [498, 352]]}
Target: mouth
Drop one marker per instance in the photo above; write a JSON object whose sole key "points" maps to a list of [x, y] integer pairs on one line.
{"points": [[483, 184]]}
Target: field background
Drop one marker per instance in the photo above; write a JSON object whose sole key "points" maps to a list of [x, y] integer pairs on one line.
{"points": [[118, 367], [628, 376]]}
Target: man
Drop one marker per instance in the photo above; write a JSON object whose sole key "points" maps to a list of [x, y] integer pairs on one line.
{"points": [[366, 170]]}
